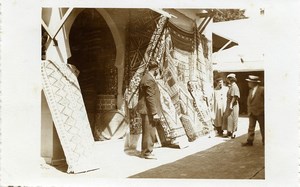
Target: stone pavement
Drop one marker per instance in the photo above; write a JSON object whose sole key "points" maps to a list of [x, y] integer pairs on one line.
{"points": [[227, 160], [205, 158]]}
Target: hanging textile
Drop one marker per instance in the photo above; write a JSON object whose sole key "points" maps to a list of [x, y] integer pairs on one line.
{"points": [[69, 115], [193, 67], [154, 44], [171, 132], [131, 94], [205, 74], [182, 39], [174, 131], [145, 30], [188, 115], [181, 59], [170, 129]]}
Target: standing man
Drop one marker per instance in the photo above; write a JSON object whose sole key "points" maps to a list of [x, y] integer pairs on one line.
{"points": [[220, 100], [149, 107], [255, 105]]}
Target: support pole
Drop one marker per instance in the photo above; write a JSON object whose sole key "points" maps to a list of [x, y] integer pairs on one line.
{"points": [[206, 23], [63, 20]]}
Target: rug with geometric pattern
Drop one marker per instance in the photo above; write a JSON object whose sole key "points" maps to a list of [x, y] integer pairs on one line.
{"points": [[69, 115]]}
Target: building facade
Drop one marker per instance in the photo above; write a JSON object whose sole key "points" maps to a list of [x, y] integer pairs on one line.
{"points": [[96, 57]]}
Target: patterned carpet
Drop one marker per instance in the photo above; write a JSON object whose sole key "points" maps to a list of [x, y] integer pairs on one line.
{"points": [[68, 112]]}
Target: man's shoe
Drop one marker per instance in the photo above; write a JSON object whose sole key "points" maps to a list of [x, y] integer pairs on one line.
{"points": [[148, 156], [247, 144], [229, 134]]}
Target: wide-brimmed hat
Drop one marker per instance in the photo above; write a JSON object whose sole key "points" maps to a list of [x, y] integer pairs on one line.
{"points": [[253, 78]]}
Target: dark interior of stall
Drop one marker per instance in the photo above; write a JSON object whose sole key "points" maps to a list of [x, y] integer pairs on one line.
{"points": [[93, 53]]}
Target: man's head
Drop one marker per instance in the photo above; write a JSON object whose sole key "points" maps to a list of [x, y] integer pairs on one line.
{"points": [[253, 81], [153, 68]]}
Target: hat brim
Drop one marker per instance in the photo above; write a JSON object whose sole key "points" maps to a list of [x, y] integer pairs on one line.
{"points": [[249, 80]]}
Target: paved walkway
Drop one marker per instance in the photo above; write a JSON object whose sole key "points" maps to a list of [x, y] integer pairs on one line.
{"points": [[207, 158], [224, 161]]}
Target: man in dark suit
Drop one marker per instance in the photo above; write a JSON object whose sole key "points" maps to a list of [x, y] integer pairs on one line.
{"points": [[256, 112], [149, 107]]}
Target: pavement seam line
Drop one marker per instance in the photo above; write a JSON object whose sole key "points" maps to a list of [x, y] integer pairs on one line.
{"points": [[257, 173]]}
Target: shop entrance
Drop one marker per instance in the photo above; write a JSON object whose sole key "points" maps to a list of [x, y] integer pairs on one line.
{"points": [[94, 54]]}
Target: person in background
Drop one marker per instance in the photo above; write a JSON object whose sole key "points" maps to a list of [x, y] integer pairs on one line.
{"points": [[220, 99], [149, 108], [232, 107], [255, 106]]}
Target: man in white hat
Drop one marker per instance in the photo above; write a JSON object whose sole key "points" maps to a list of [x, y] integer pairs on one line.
{"points": [[255, 104]]}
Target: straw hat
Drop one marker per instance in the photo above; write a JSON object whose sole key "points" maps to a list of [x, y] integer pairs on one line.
{"points": [[253, 78]]}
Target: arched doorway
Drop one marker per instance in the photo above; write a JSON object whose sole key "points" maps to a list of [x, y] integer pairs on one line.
{"points": [[94, 54]]}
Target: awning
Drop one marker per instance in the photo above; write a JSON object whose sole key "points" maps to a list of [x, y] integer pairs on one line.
{"points": [[221, 42]]}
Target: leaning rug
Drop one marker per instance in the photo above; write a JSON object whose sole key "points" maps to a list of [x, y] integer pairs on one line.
{"points": [[69, 115]]}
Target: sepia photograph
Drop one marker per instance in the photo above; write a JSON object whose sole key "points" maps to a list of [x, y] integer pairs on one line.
{"points": [[125, 95]]}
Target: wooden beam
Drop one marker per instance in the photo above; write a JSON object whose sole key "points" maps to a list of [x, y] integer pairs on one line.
{"points": [[202, 29], [47, 29], [164, 13], [202, 15], [210, 14], [62, 21], [200, 26]]}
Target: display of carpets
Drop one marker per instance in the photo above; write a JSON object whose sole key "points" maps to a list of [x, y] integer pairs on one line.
{"points": [[142, 25], [201, 107], [181, 59], [197, 106], [192, 131], [188, 117], [131, 94], [69, 115], [173, 131], [182, 39]]}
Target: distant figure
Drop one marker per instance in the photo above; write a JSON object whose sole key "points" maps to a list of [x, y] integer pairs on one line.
{"points": [[149, 108], [220, 99], [232, 108], [255, 105]]}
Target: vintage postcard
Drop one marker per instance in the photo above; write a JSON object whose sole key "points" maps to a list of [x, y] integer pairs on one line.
{"points": [[175, 93]]}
